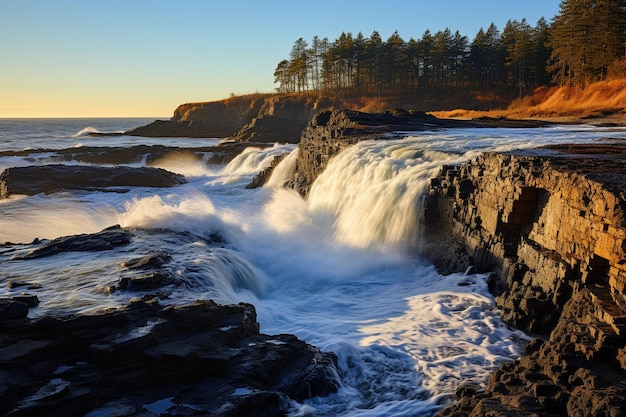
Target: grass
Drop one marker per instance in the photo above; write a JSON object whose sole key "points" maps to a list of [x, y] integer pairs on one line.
{"points": [[601, 99]]}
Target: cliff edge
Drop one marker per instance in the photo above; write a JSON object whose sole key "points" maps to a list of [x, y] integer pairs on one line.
{"points": [[551, 228], [252, 118]]}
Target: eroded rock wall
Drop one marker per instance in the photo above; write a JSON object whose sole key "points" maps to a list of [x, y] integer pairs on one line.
{"points": [[252, 118], [552, 231]]}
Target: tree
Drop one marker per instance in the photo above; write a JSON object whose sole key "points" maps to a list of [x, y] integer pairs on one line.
{"points": [[298, 65], [282, 77], [487, 58], [587, 36], [541, 53], [517, 39]]}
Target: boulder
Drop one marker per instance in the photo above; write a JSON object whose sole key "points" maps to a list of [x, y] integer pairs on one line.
{"points": [[107, 239], [48, 179]]}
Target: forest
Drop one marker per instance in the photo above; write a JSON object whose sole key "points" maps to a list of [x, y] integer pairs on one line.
{"points": [[584, 43]]}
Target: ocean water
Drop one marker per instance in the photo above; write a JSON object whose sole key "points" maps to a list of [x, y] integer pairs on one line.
{"points": [[341, 269]]}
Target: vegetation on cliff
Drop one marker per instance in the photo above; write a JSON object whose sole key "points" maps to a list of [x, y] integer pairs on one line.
{"points": [[584, 43]]}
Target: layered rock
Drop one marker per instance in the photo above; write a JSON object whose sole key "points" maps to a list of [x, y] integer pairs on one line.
{"points": [[196, 359], [552, 231], [270, 118], [47, 179], [253, 118]]}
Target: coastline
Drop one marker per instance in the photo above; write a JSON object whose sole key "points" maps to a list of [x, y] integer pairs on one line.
{"points": [[329, 133]]}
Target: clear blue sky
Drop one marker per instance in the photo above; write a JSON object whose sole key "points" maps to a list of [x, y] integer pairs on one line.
{"points": [[64, 58]]}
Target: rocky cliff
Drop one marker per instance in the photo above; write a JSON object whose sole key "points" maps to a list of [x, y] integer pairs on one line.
{"points": [[261, 118], [252, 118], [552, 230]]}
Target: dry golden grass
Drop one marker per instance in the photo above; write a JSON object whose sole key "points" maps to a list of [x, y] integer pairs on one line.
{"points": [[607, 98]]}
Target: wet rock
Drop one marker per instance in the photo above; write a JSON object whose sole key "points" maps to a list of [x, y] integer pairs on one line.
{"points": [[12, 309], [151, 280], [29, 299], [550, 228], [107, 239], [263, 176], [19, 284], [146, 355], [148, 262], [48, 179]]}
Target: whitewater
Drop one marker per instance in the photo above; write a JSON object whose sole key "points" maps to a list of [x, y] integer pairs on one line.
{"points": [[340, 269]]}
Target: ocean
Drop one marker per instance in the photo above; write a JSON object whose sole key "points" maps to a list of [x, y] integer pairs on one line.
{"points": [[340, 269]]}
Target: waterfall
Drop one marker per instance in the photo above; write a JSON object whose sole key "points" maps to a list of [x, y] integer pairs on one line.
{"points": [[371, 194]]}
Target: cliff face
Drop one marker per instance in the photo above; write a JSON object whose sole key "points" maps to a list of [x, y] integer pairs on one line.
{"points": [[253, 118], [552, 230], [543, 225]]}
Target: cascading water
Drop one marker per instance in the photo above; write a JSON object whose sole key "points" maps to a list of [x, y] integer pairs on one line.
{"points": [[340, 270]]}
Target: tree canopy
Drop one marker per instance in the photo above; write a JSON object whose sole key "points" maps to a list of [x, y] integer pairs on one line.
{"points": [[583, 43]]}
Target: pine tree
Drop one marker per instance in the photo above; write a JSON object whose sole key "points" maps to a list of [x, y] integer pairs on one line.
{"points": [[587, 36]]}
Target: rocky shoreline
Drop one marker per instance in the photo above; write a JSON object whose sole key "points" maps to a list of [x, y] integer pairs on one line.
{"points": [[148, 358], [282, 118], [550, 228]]}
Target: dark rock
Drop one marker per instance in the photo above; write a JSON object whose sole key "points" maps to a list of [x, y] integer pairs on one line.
{"points": [[28, 299], [151, 280], [107, 239], [466, 390], [534, 346], [47, 179], [146, 354], [12, 309], [148, 262]]}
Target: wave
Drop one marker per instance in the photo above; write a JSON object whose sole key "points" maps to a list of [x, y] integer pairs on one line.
{"points": [[92, 131]]}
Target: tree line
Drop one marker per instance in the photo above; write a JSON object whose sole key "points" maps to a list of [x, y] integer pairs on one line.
{"points": [[584, 43]]}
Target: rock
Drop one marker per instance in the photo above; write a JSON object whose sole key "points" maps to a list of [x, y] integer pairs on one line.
{"points": [[146, 281], [551, 230], [148, 262], [107, 239], [146, 356], [48, 179], [29, 299], [280, 118], [221, 153], [19, 284], [263, 176], [255, 118], [12, 309]]}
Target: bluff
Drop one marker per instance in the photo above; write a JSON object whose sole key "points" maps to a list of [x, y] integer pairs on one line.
{"points": [[264, 118], [251, 118], [551, 229]]}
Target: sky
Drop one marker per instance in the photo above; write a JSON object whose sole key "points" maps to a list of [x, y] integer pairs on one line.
{"points": [[142, 58]]}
